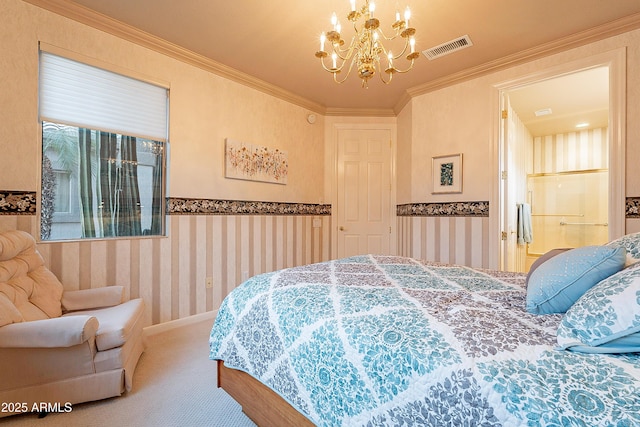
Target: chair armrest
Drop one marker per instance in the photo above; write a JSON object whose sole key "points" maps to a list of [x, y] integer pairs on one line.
{"points": [[87, 299], [49, 333]]}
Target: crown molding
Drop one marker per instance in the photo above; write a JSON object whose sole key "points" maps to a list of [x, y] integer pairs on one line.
{"points": [[610, 29], [360, 112], [86, 16], [121, 30]]}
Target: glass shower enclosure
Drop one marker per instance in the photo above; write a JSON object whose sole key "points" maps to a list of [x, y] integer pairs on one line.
{"points": [[568, 209]]}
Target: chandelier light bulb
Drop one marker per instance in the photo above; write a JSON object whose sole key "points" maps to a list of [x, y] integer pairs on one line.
{"points": [[353, 5], [407, 15], [372, 8], [412, 43], [334, 20], [323, 38]]}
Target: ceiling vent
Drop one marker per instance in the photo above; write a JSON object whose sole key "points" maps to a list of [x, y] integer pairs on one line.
{"points": [[448, 47]]}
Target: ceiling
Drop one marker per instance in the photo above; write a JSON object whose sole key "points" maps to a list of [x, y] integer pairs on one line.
{"points": [[275, 41], [569, 100]]}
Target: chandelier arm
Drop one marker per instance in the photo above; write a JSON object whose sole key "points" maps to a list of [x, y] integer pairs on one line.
{"points": [[344, 59], [335, 75], [404, 50], [325, 67], [381, 73], [339, 55], [395, 70], [398, 56], [385, 37], [349, 50]]}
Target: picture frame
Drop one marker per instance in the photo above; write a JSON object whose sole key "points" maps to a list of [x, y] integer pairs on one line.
{"points": [[447, 174], [253, 162]]}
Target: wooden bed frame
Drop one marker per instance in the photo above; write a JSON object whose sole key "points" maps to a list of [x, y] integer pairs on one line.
{"points": [[261, 404]]}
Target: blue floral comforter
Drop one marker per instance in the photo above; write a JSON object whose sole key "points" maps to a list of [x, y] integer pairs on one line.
{"points": [[378, 340]]}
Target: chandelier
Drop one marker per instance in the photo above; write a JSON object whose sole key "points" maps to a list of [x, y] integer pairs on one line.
{"points": [[367, 45]]}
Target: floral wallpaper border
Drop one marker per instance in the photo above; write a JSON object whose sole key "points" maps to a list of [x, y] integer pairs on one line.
{"points": [[444, 209], [17, 202], [632, 208], [179, 206], [25, 203]]}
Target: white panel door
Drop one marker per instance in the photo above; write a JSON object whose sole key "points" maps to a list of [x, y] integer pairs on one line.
{"points": [[364, 191]]}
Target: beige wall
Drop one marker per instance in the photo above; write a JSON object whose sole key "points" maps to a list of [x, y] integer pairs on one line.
{"points": [[460, 118], [444, 124], [204, 110]]}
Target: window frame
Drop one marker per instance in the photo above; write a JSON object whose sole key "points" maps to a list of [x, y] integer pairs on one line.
{"points": [[75, 207]]}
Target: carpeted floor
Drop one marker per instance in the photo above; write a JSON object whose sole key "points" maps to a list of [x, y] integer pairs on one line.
{"points": [[174, 385]]}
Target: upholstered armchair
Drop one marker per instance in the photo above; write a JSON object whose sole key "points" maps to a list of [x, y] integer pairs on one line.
{"points": [[61, 347]]}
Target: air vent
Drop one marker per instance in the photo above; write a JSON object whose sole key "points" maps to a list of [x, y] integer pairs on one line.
{"points": [[448, 47]]}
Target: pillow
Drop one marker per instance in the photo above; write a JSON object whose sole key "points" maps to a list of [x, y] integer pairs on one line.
{"points": [[631, 242], [547, 256], [558, 283], [606, 319]]}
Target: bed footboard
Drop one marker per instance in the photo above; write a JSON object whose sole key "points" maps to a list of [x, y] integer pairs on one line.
{"points": [[261, 404]]}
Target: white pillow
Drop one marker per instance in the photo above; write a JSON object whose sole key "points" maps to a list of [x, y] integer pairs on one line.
{"points": [[606, 319], [631, 242]]}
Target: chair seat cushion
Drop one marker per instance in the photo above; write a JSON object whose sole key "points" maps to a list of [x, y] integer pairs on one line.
{"points": [[116, 323]]}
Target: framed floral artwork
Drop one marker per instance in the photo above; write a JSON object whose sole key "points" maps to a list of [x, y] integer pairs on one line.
{"points": [[447, 174], [255, 163]]}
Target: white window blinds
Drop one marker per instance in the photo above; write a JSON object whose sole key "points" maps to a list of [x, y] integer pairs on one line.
{"points": [[82, 95]]}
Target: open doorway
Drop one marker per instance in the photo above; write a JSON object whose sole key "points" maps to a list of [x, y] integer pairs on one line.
{"points": [[561, 156], [570, 180]]}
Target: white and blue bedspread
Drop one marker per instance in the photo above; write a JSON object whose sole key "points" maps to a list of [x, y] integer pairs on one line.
{"points": [[377, 341]]}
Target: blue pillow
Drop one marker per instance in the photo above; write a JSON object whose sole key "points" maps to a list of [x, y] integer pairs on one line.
{"points": [[606, 319], [558, 283], [542, 259]]}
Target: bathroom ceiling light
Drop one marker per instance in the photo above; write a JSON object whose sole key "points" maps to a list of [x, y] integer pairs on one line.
{"points": [[543, 112], [582, 125]]}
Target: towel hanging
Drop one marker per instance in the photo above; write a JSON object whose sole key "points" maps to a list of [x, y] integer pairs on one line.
{"points": [[525, 233]]}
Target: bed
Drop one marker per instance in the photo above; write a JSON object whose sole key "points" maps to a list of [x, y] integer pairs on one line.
{"points": [[386, 340]]}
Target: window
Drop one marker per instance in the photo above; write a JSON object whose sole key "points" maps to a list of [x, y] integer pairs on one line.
{"points": [[103, 152]]}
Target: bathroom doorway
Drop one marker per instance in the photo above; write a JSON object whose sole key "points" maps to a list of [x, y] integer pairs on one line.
{"points": [[561, 149]]}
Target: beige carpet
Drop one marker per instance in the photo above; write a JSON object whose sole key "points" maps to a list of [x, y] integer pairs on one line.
{"points": [[174, 385]]}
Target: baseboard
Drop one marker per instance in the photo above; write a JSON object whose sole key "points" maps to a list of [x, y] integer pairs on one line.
{"points": [[172, 324]]}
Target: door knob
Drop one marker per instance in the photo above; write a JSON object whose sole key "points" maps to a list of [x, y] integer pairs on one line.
{"points": [[342, 228]]}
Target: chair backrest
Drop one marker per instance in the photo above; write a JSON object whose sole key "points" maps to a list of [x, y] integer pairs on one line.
{"points": [[28, 289]]}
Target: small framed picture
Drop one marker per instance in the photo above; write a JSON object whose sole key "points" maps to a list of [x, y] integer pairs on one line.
{"points": [[447, 174]]}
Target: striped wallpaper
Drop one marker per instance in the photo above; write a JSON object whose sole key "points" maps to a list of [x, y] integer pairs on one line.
{"points": [[572, 151], [453, 233], [170, 272]]}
